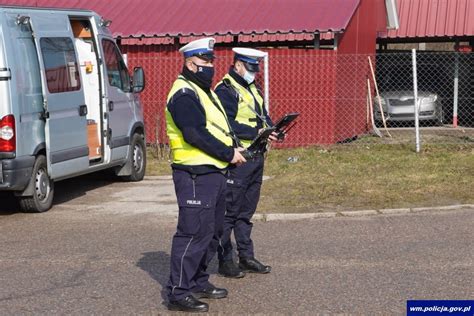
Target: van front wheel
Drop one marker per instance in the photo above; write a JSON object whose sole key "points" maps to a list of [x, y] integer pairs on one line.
{"points": [[43, 189], [137, 159]]}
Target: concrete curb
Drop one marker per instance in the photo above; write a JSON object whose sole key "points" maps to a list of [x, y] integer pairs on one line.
{"points": [[358, 213], [268, 217], [297, 216], [300, 216], [154, 178], [271, 217]]}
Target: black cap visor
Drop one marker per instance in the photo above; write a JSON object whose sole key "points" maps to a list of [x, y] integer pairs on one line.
{"points": [[251, 67], [206, 56]]}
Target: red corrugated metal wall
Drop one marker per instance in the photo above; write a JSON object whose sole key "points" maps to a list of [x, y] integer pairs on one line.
{"points": [[356, 44], [327, 87], [433, 18]]}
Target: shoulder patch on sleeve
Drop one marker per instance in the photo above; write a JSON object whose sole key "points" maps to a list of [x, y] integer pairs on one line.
{"points": [[184, 91], [227, 82], [231, 88]]}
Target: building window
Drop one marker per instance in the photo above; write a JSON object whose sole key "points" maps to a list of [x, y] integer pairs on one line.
{"points": [[60, 64], [117, 72]]}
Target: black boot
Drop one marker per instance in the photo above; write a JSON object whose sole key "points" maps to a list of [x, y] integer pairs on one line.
{"points": [[229, 269], [188, 304], [252, 265], [211, 292]]}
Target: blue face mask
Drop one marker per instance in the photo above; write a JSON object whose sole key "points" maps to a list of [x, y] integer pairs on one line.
{"points": [[249, 76], [205, 74]]}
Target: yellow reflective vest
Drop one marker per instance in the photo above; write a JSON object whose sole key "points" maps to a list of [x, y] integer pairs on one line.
{"points": [[184, 153], [246, 102]]}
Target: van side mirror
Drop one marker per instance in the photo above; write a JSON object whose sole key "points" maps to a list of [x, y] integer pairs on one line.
{"points": [[138, 80]]}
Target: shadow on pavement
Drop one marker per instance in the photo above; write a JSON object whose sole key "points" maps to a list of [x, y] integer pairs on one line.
{"points": [[73, 188], [8, 204], [157, 265], [65, 191]]}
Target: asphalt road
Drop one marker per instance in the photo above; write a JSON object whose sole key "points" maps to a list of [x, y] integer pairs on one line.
{"points": [[104, 249]]}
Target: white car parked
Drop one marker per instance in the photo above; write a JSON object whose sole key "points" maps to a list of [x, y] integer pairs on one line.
{"points": [[400, 106]]}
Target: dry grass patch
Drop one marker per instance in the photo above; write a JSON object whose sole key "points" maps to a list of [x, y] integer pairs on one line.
{"points": [[364, 176], [367, 177]]}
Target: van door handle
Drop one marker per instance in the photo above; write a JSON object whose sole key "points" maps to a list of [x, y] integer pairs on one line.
{"points": [[5, 74], [109, 135], [111, 106], [44, 115], [83, 110]]}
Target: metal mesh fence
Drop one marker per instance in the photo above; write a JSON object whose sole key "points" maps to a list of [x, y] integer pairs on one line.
{"points": [[337, 96], [445, 96]]}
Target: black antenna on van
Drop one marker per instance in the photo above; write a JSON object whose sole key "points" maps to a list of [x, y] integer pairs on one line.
{"points": [[22, 20], [105, 23]]}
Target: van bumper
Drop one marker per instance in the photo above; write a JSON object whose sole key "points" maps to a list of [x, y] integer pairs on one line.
{"points": [[15, 173]]}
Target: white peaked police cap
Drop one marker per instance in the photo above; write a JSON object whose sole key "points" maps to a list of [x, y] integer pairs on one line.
{"points": [[202, 48], [251, 57]]}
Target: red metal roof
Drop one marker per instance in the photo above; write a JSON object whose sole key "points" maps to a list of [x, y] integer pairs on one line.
{"points": [[433, 18], [251, 20]]}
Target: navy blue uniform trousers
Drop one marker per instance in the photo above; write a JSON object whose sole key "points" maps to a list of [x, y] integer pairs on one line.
{"points": [[201, 201], [243, 193]]}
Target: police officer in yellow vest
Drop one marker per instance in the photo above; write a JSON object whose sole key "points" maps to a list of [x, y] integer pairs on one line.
{"points": [[202, 147], [245, 110]]}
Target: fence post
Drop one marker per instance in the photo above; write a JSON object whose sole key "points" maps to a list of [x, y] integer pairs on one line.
{"points": [[266, 83], [456, 83], [416, 103]]}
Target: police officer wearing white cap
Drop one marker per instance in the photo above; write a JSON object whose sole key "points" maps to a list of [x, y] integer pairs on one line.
{"points": [[244, 106], [202, 145]]}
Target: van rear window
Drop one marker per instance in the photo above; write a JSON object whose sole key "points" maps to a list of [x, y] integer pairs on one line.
{"points": [[62, 72]]}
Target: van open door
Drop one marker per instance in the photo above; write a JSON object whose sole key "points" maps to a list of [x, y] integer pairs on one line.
{"points": [[64, 104], [118, 97]]}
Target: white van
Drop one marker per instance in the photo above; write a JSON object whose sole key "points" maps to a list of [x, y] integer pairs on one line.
{"points": [[68, 105]]}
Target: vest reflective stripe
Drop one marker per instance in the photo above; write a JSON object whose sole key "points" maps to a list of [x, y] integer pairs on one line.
{"points": [[184, 153], [246, 101]]}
